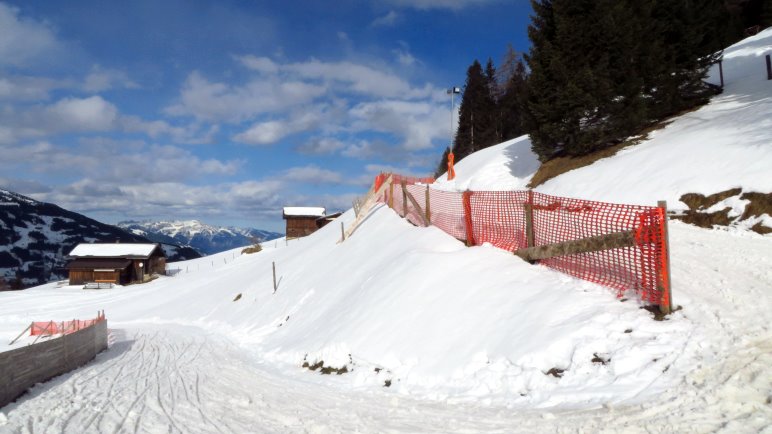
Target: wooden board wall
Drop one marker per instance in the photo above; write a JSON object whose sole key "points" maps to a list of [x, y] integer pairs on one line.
{"points": [[23, 367]]}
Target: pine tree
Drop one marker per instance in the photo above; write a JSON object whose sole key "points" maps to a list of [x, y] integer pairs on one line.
{"points": [[602, 69], [494, 113], [512, 103], [476, 126]]}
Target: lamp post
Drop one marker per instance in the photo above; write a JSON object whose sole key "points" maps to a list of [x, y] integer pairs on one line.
{"points": [[452, 92]]}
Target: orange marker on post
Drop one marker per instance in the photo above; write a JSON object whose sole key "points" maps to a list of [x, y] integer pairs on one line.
{"points": [[451, 172]]}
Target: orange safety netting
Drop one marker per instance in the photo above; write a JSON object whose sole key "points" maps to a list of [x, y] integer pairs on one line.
{"points": [[498, 218], [62, 327]]}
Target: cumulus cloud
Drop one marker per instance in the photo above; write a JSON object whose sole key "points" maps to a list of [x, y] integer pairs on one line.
{"points": [[23, 40], [82, 114], [212, 101], [100, 79], [386, 20], [115, 161], [357, 78], [265, 133], [320, 146], [439, 4], [260, 64], [26, 88], [23, 186], [313, 174], [418, 123]]}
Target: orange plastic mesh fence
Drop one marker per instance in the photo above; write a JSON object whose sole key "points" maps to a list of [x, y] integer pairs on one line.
{"points": [[499, 218], [61, 327], [447, 212], [415, 215], [557, 219]]}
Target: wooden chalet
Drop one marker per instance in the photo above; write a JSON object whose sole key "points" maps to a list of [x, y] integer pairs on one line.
{"points": [[119, 263], [302, 221]]}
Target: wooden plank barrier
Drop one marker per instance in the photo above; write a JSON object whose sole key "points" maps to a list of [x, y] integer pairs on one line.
{"points": [[22, 368], [575, 247]]}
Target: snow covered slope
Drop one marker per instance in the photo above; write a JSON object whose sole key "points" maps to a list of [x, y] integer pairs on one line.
{"points": [[433, 336]]}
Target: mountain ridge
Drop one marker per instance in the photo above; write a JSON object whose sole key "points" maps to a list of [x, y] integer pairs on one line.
{"points": [[207, 239]]}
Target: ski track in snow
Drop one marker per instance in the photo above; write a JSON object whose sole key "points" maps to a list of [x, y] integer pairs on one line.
{"points": [[182, 379]]}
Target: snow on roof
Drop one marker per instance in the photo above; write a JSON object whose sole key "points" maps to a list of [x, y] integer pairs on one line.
{"points": [[112, 250], [314, 211]]}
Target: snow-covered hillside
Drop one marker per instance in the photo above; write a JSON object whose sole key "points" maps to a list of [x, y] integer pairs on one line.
{"points": [[433, 336], [205, 238]]}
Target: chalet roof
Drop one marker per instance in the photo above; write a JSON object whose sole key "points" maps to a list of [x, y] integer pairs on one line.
{"points": [[88, 264], [303, 211], [113, 250], [330, 216]]}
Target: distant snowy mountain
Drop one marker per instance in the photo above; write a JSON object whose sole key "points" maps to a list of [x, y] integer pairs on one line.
{"points": [[36, 236], [205, 238]]}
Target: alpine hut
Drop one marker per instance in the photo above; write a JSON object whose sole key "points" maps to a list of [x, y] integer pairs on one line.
{"points": [[118, 263], [301, 221]]}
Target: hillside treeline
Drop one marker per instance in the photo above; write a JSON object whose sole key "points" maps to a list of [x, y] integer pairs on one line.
{"points": [[599, 71]]}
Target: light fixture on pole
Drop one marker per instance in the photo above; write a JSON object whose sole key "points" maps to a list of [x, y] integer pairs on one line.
{"points": [[452, 92]]}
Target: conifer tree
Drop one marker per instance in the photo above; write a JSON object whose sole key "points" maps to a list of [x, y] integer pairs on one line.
{"points": [[511, 104], [602, 69], [476, 129]]}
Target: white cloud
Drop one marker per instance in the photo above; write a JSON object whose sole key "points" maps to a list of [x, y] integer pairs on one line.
{"points": [[82, 114], [418, 123], [213, 101], [320, 146], [313, 174], [259, 64], [265, 133], [23, 186], [24, 41], [23, 88], [356, 77], [404, 57], [385, 21], [100, 79], [439, 4], [111, 161]]}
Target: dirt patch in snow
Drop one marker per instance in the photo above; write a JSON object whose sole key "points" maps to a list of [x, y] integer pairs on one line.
{"points": [[698, 215], [326, 370], [560, 165]]}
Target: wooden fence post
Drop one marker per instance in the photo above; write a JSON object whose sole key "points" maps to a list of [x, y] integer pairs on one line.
{"points": [[404, 199], [769, 68], [666, 302], [721, 71], [391, 195], [466, 199], [428, 210], [529, 220], [274, 276]]}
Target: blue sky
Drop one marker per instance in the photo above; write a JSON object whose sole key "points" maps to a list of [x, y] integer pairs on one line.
{"points": [[225, 111]]}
